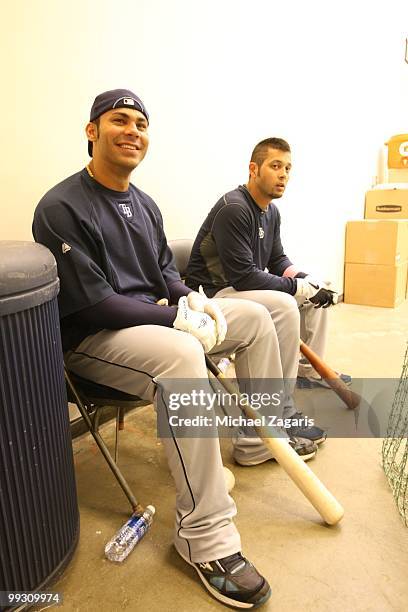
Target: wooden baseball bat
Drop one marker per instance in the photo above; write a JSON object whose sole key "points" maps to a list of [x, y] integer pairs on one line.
{"points": [[315, 491], [352, 400]]}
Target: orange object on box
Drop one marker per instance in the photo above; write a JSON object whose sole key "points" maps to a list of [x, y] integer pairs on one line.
{"points": [[398, 151]]}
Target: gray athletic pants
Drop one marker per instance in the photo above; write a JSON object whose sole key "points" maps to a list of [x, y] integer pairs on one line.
{"points": [[281, 306], [135, 360]]}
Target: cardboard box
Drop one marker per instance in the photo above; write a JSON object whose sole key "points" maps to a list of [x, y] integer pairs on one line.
{"points": [[397, 176], [375, 285], [386, 204], [377, 242]]}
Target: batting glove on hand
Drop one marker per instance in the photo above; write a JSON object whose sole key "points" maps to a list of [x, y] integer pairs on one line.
{"points": [[199, 324], [199, 302], [325, 297], [316, 292]]}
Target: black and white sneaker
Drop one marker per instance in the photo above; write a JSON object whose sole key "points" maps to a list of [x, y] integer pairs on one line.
{"points": [[306, 449], [234, 581], [311, 382], [300, 429]]}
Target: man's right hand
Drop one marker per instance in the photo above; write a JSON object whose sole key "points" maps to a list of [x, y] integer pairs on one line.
{"points": [[196, 323], [316, 292], [198, 301]]}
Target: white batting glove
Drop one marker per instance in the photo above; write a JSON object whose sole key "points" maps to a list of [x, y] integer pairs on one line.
{"points": [[305, 288], [316, 291], [199, 302], [199, 324], [325, 298]]}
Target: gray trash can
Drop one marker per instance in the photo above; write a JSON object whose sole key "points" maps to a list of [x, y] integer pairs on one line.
{"points": [[39, 518]]}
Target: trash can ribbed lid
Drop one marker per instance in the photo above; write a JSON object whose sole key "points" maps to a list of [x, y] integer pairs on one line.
{"points": [[24, 265]]}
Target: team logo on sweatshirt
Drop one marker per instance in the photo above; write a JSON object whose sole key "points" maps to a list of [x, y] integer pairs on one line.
{"points": [[126, 209], [261, 232]]}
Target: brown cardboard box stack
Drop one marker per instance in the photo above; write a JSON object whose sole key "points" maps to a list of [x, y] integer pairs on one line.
{"points": [[376, 258], [376, 262]]}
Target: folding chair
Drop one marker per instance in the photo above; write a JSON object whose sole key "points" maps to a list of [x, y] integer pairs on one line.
{"points": [[91, 398], [181, 250]]}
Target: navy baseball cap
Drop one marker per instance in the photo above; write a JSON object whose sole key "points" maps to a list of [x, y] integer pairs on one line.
{"points": [[115, 98]]}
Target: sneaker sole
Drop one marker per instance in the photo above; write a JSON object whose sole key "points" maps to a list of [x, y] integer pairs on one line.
{"points": [[308, 456], [303, 457], [223, 598]]}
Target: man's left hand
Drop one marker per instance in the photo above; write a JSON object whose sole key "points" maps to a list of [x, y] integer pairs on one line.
{"points": [[199, 302], [325, 297]]}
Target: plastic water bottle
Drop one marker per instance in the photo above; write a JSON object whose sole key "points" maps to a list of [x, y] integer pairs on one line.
{"points": [[124, 541], [224, 364]]}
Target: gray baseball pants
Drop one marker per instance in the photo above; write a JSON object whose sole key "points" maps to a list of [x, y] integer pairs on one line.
{"points": [[282, 307], [137, 359]]}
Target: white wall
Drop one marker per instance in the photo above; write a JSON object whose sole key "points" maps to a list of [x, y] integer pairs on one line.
{"points": [[216, 77]]}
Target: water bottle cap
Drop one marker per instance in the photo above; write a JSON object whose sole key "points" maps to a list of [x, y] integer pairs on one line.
{"points": [[151, 509]]}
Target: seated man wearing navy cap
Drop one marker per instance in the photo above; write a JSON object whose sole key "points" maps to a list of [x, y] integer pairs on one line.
{"points": [[114, 266]]}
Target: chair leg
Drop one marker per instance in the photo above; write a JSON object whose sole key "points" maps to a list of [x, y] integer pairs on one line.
{"points": [[117, 435], [95, 419], [103, 448], [120, 426], [121, 418]]}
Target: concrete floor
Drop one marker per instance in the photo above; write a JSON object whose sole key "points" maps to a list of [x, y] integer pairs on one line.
{"points": [[359, 565]]}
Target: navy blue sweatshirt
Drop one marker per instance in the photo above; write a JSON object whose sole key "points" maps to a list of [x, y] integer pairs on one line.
{"points": [[235, 244], [112, 256]]}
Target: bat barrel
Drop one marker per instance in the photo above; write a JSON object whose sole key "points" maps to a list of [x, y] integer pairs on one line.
{"points": [[351, 399], [314, 490]]}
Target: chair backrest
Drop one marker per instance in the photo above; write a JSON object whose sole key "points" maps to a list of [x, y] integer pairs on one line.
{"points": [[181, 250]]}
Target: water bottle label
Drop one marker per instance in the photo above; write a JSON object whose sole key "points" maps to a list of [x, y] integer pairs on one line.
{"points": [[125, 540], [133, 520]]}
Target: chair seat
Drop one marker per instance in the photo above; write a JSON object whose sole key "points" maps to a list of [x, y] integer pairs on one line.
{"points": [[100, 394]]}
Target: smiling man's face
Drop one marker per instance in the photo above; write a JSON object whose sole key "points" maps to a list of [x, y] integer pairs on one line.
{"points": [[272, 176], [119, 138]]}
